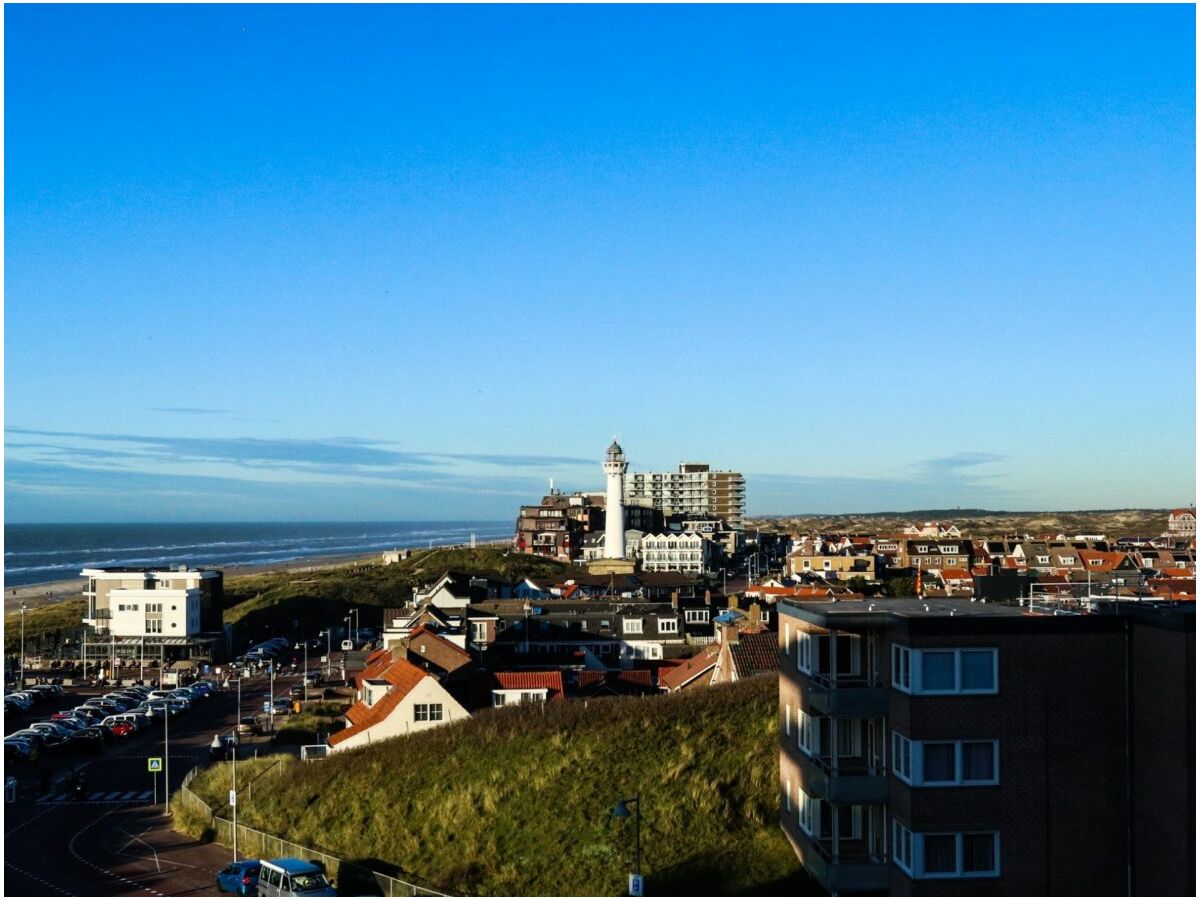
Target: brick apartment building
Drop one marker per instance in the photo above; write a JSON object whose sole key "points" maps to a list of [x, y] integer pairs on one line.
{"points": [[948, 747]]}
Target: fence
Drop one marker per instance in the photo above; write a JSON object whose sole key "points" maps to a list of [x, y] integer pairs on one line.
{"points": [[352, 879]]}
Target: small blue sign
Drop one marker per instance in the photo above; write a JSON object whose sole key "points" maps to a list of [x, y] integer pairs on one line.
{"points": [[266, 706]]}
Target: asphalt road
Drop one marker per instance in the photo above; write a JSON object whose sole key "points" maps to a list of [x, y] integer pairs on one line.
{"points": [[116, 842]]}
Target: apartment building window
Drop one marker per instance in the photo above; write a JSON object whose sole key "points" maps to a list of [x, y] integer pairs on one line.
{"points": [[959, 763], [804, 645], [952, 560], [958, 855], [902, 757], [809, 817], [849, 737], [970, 671], [427, 712], [479, 632], [902, 847], [901, 668], [154, 626], [668, 626], [633, 626], [808, 732]]}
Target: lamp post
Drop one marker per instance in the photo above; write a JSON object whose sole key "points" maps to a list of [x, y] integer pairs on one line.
{"points": [[527, 609], [328, 651], [621, 811], [233, 790], [357, 624], [305, 669], [22, 646]]}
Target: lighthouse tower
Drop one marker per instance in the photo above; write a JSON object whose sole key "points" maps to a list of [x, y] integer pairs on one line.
{"points": [[614, 513]]}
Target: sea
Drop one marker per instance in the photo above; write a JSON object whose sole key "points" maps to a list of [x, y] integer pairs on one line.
{"points": [[34, 554]]}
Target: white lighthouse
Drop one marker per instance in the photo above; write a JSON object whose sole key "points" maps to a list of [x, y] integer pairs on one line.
{"points": [[614, 513]]}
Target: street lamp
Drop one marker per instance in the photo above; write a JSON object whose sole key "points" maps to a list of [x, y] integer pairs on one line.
{"points": [[528, 609], [328, 651], [22, 646], [621, 811], [305, 669]]}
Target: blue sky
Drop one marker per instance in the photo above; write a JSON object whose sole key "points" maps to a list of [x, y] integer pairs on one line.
{"points": [[410, 262]]}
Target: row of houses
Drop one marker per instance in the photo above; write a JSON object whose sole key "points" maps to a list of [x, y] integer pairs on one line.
{"points": [[468, 644]]}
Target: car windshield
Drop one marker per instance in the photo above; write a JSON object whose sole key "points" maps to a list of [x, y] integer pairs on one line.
{"points": [[310, 881]]}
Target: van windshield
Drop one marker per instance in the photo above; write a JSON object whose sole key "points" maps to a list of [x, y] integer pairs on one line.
{"points": [[309, 881]]}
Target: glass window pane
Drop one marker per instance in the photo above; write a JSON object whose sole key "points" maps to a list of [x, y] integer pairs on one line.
{"points": [[977, 670], [939, 762], [979, 852], [937, 670], [979, 763], [940, 854]]}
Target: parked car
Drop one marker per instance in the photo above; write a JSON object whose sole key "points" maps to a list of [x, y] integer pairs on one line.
{"points": [[291, 877], [247, 724], [19, 750], [35, 738], [121, 729], [240, 878], [88, 740]]}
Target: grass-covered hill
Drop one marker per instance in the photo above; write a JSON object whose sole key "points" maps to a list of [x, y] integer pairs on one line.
{"points": [[518, 800], [51, 623], [316, 599]]}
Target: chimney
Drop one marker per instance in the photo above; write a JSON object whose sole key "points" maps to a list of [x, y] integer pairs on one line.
{"points": [[708, 598], [756, 614], [400, 650], [675, 600], [729, 633]]}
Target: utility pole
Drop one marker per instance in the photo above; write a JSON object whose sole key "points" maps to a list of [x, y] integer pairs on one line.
{"points": [[22, 646], [271, 714], [233, 793], [166, 757]]}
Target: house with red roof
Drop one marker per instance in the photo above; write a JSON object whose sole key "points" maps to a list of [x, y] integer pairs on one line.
{"points": [[395, 697], [696, 671], [511, 688]]}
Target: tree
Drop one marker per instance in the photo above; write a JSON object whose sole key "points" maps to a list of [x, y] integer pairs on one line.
{"points": [[901, 587]]}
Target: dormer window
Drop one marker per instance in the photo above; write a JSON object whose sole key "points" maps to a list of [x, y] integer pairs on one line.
{"points": [[923, 548]]}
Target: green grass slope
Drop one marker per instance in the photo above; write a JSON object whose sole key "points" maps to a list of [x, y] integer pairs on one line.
{"points": [[518, 800]]}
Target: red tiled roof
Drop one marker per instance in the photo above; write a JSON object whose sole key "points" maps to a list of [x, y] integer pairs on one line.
{"points": [[1108, 561], [754, 652], [376, 663], [403, 676], [532, 681], [1178, 573], [953, 574], [1183, 512], [689, 669]]}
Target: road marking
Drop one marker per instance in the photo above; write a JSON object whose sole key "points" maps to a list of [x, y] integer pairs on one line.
{"points": [[112, 797]]}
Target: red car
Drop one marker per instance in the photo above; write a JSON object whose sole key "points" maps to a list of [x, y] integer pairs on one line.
{"points": [[121, 729]]}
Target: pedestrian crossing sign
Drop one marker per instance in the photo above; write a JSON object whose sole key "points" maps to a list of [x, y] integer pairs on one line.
{"points": [[154, 763]]}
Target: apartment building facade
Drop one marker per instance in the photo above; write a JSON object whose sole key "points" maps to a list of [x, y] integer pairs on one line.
{"points": [[947, 747], [695, 489], [139, 602]]}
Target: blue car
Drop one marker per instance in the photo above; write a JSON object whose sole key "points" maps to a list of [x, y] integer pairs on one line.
{"points": [[239, 878]]}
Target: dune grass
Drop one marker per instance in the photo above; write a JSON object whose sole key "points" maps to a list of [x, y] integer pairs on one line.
{"points": [[518, 800], [53, 621], [256, 604]]}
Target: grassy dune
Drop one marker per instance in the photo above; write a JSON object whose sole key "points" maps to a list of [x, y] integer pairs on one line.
{"points": [[255, 604], [517, 800]]}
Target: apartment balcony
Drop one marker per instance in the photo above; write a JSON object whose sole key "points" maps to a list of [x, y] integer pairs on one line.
{"points": [[850, 785], [851, 696], [849, 874]]}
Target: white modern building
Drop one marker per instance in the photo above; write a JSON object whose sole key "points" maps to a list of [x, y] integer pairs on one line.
{"points": [[694, 490], [132, 602], [687, 552]]}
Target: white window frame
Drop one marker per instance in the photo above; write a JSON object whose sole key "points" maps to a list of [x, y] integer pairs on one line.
{"points": [[902, 757], [804, 651], [808, 732], [697, 616], [809, 813], [902, 847], [668, 626], [917, 673], [902, 664], [629, 626], [479, 632]]}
